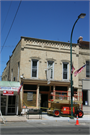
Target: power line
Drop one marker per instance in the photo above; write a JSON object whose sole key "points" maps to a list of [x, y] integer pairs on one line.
{"points": [[6, 17], [11, 25]]}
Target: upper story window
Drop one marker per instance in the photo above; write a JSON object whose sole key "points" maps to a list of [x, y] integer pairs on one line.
{"points": [[34, 69], [18, 71], [65, 70], [87, 68], [51, 64], [11, 74]]}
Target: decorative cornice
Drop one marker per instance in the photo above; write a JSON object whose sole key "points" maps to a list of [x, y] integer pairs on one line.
{"points": [[47, 43], [84, 53], [33, 45]]}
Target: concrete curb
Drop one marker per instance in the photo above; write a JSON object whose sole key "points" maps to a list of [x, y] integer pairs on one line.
{"points": [[14, 121], [41, 120], [45, 118], [81, 121]]}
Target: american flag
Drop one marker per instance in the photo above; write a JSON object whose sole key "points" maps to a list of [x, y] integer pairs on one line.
{"points": [[19, 89], [72, 69], [79, 70]]}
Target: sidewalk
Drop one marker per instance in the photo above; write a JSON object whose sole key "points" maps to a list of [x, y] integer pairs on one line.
{"points": [[20, 118], [45, 117]]}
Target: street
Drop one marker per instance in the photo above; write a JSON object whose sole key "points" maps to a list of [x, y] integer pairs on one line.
{"points": [[45, 130], [48, 128]]}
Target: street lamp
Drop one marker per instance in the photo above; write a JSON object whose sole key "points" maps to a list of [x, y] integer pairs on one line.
{"points": [[82, 15]]}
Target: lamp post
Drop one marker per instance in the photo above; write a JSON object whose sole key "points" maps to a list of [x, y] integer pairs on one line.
{"points": [[82, 15]]}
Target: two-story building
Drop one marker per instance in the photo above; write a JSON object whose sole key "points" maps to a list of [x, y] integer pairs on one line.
{"points": [[44, 66]]}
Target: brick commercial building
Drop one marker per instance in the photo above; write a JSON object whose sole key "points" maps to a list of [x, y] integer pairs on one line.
{"points": [[44, 66]]}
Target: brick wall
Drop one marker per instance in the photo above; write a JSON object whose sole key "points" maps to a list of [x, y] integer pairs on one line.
{"points": [[44, 50]]}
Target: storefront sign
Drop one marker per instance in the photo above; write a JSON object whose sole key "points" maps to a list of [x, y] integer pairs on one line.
{"points": [[5, 87], [9, 88], [6, 92], [29, 96]]}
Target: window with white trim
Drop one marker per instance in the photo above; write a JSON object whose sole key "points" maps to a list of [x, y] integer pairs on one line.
{"points": [[65, 70], [51, 64], [87, 68], [34, 68]]}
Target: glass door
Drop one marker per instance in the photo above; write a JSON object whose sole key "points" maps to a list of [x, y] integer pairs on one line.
{"points": [[11, 104]]}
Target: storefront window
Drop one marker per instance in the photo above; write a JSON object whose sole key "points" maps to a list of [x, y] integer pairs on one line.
{"points": [[44, 88], [29, 99], [29, 95], [3, 104]]}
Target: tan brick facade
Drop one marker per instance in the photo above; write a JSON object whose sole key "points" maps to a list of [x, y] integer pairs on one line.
{"points": [[44, 51], [13, 64]]}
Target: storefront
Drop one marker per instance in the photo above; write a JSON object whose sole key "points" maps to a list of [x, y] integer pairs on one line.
{"points": [[86, 95], [9, 97], [36, 93]]}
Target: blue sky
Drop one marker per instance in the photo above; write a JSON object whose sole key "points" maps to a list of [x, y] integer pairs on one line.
{"points": [[51, 20]]}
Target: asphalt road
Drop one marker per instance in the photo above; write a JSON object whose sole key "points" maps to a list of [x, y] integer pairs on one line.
{"points": [[44, 128]]}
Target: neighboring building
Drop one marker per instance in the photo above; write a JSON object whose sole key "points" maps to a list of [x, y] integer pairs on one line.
{"points": [[29, 63], [9, 97], [84, 77]]}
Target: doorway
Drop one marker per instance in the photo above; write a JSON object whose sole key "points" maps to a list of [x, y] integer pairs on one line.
{"points": [[11, 104], [85, 97], [44, 102]]}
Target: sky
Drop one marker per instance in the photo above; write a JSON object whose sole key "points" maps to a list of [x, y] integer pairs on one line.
{"points": [[50, 20]]}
